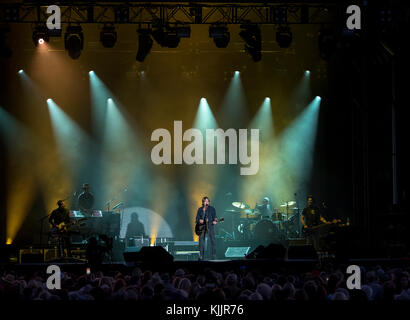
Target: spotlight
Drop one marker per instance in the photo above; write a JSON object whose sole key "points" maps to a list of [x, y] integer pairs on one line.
{"points": [[74, 41], [108, 36], [307, 72], [144, 44], [49, 100], [166, 38], [237, 73], [91, 72], [21, 71], [284, 37], [40, 35], [318, 98], [251, 34], [220, 34]]}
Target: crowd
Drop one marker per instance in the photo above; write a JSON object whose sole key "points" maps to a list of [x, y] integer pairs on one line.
{"points": [[208, 285]]}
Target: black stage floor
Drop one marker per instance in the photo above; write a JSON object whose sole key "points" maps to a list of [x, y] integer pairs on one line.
{"points": [[283, 266]]}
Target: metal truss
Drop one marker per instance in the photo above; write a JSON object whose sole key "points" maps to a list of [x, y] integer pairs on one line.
{"points": [[173, 13]]}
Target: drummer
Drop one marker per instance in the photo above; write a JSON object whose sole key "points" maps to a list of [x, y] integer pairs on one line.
{"points": [[265, 208]]}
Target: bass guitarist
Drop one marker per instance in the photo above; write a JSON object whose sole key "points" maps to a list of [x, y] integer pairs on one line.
{"points": [[206, 219], [311, 217]]}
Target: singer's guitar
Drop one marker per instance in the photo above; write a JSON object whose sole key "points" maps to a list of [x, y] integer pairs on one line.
{"points": [[201, 228]]}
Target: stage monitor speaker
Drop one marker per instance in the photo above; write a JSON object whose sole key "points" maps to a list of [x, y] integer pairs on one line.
{"points": [[302, 252], [149, 254], [8, 253], [236, 252], [272, 252]]}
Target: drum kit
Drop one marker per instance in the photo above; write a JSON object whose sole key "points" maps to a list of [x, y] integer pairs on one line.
{"points": [[264, 225]]}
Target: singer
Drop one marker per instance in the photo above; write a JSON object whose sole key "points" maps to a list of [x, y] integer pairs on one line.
{"points": [[207, 214]]}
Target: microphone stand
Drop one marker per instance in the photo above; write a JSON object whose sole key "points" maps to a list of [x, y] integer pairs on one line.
{"points": [[299, 223], [108, 203]]}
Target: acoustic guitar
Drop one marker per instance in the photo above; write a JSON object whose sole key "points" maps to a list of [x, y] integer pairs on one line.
{"points": [[201, 228]]}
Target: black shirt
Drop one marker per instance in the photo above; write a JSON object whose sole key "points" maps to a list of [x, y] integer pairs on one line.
{"points": [[85, 201], [311, 216], [135, 228], [59, 215]]}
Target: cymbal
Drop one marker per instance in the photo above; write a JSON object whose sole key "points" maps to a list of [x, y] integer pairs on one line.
{"points": [[240, 205], [232, 211], [288, 204]]}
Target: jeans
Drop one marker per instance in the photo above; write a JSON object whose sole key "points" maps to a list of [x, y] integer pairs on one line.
{"points": [[316, 240], [204, 239]]}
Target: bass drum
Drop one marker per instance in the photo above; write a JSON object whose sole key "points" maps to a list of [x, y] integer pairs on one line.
{"points": [[267, 232]]}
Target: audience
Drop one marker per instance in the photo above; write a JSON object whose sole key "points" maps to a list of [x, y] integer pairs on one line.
{"points": [[209, 285]]}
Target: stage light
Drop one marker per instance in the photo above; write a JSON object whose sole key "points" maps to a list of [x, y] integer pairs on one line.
{"points": [[40, 35], [91, 72], [49, 100], [74, 41], [108, 36], [183, 31], [144, 44], [11, 14], [267, 99], [220, 35], [167, 37], [307, 72], [284, 37], [251, 34], [280, 16], [21, 71], [237, 73], [122, 15], [318, 98]]}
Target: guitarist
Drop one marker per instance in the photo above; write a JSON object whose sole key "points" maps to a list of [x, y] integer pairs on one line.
{"points": [[206, 215], [311, 217], [57, 217]]}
